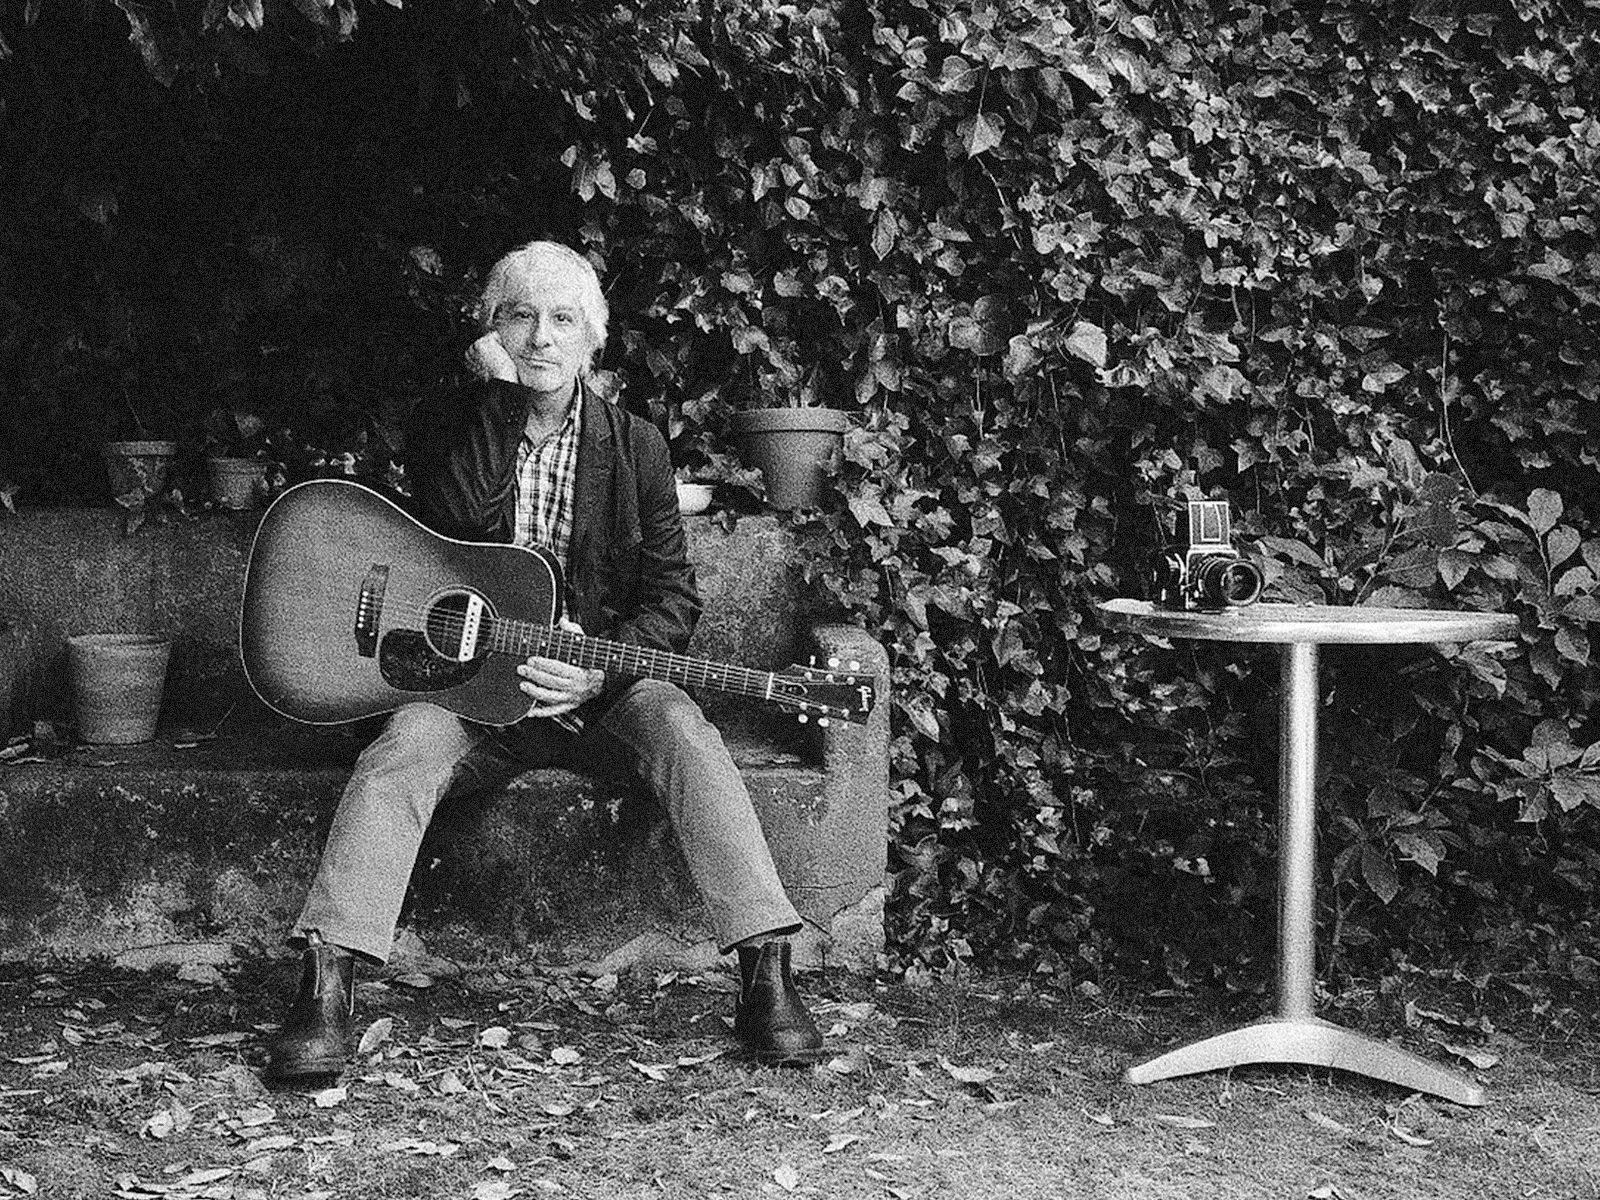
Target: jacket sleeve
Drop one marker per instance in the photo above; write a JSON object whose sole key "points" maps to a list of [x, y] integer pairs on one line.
{"points": [[666, 602]]}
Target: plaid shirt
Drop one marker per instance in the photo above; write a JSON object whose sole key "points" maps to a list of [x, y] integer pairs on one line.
{"points": [[545, 477]]}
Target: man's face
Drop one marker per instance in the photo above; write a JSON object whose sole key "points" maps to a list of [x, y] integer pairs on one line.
{"points": [[543, 328]]}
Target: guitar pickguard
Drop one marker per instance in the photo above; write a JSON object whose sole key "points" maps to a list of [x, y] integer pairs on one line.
{"points": [[409, 664]]}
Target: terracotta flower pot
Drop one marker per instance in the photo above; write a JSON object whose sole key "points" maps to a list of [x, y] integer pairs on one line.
{"points": [[116, 683], [138, 470], [237, 483], [790, 446]]}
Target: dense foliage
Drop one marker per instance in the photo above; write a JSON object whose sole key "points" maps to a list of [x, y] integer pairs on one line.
{"points": [[1066, 263]]}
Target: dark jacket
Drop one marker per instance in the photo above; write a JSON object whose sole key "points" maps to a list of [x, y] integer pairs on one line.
{"points": [[628, 573]]}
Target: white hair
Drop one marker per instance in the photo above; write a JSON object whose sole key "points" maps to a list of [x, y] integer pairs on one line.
{"points": [[507, 276]]}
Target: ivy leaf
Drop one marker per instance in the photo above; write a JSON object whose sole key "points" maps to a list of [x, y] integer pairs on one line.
{"points": [[1379, 875], [884, 232], [1572, 788], [1022, 356], [981, 337], [1414, 568], [981, 132], [1377, 381], [1573, 645], [867, 508], [1087, 342], [1426, 849], [1561, 543], [920, 711], [1544, 510]]}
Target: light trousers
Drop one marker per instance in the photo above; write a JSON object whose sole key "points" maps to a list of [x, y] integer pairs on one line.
{"points": [[425, 752]]}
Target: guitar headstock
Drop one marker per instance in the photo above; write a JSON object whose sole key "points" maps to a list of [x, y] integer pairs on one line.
{"points": [[826, 692]]}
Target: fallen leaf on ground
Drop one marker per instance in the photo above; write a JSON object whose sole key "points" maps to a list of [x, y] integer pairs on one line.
{"points": [[657, 1071], [417, 1146], [839, 1141], [202, 1177], [965, 1074], [500, 1163], [565, 1056], [232, 1038], [330, 1097], [786, 1177], [166, 1121], [1104, 1118], [276, 1141], [1406, 1136], [414, 979], [18, 1178], [496, 1037], [848, 1063], [376, 1035], [1180, 1122], [695, 1060], [1326, 1122], [494, 1189], [1482, 1059]]}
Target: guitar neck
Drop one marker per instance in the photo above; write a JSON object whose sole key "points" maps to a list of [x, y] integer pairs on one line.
{"points": [[523, 638]]}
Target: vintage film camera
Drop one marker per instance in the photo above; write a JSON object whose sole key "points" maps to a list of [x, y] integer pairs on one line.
{"points": [[1205, 571]]}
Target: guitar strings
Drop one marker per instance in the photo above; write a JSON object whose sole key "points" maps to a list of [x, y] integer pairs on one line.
{"points": [[599, 650]]}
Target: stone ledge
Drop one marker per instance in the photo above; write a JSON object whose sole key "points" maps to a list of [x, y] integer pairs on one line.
{"points": [[109, 849]]}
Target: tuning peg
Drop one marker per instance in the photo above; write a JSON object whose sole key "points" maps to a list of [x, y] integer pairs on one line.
{"points": [[823, 721], [812, 661], [801, 717], [833, 662], [855, 665]]}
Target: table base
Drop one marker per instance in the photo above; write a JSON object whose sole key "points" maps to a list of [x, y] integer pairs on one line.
{"points": [[1315, 1043]]}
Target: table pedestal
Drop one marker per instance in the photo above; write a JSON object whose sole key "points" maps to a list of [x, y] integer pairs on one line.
{"points": [[1295, 1035]]}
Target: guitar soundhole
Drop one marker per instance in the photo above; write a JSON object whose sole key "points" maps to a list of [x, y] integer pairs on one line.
{"points": [[453, 617]]}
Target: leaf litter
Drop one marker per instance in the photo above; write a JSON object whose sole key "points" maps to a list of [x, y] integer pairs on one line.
{"points": [[538, 1113]]}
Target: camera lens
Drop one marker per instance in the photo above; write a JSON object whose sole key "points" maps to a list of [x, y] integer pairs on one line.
{"points": [[1228, 581]]}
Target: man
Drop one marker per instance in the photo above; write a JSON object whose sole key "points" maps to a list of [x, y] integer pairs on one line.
{"points": [[529, 455]]}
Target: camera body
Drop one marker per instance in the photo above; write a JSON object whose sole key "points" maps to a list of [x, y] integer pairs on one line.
{"points": [[1205, 571]]}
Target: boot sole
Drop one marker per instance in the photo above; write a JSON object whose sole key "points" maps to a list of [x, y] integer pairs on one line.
{"points": [[315, 1069], [799, 1058]]}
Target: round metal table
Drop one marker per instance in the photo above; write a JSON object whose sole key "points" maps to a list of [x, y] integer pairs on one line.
{"points": [[1295, 1034]]}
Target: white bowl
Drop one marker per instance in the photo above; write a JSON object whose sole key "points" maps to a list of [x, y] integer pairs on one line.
{"points": [[693, 498]]}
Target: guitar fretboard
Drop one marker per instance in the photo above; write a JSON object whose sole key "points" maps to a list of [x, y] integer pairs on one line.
{"points": [[522, 638]]}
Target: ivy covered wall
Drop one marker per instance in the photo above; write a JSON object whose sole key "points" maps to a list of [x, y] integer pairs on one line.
{"points": [[1066, 264]]}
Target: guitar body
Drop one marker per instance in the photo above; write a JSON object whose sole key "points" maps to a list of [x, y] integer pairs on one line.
{"points": [[353, 608]]}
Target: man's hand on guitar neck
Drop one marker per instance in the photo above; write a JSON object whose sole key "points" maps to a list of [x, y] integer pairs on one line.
{"points": [[558, 687]]}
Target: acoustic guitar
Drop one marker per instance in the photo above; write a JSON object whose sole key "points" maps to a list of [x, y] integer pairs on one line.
{"points": [[353, 608]]}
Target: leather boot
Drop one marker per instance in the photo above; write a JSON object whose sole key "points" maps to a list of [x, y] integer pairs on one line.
{"points": [[771, 1020], [315, 1038]]}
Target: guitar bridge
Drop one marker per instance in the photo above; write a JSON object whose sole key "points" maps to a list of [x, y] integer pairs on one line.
{"points": [[369, 610]]}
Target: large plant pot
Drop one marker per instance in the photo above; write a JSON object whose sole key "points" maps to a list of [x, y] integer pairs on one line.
{"points": [[237, 482], [138, 470], [116, 684], [790, 445]]}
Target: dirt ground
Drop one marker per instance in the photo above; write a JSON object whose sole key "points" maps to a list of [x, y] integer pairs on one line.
{"points": [[512, 1079]]}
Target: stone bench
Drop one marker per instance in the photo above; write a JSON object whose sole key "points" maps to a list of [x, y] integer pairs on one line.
{"points": [[210, 833]]}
